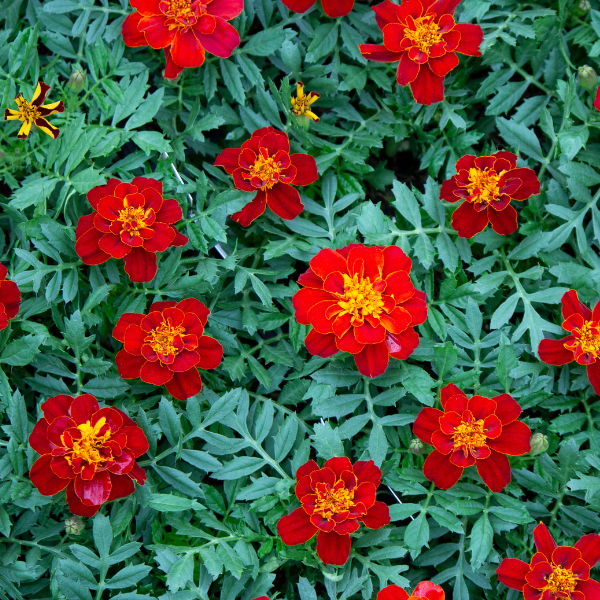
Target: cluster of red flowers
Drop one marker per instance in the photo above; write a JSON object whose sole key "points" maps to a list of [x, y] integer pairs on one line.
{"points": [[185, 29], [89, 450], [334, 501]]}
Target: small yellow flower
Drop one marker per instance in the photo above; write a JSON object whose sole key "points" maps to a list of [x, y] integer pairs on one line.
{"points": [[301, 104], [33, 113]]}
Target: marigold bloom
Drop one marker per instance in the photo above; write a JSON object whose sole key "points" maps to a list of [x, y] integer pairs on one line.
{"points": [[583, 343], [554, 571], [10, 298], [264, 165], [332, 8], [424, 38], [360, 299], [472, 431], [334, 499], [487, 184], [302, 103], [89, 450], [597, 99], [34, 112], [426, 590], [168, 346], [130, 221], [185, 29]]}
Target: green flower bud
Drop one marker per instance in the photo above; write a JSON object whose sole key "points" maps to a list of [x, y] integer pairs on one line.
{"points": [[582, 7], [416, 447], [587, 77], [74, 525], [77, 80], [539, 444]]}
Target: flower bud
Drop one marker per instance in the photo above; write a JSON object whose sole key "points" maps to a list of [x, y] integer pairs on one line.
{"points": [[416, 447], [582, 7], [539, 444], [74, 525], [587, 77], [77, 80]]}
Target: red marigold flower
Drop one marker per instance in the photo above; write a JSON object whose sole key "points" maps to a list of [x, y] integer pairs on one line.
{"points": [[185, 29], [424, 38], [472, 431], [332, 8], [426, 590], [264, 165], [554, 571], [89, 450], [168, 346], [360, 299], [10, 298], [33, 113], [130, 221], [597, 99], [487, 184], [334, 499], [583, 343]]}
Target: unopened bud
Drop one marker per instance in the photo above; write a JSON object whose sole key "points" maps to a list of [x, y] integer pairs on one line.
{"points": [[582, 7], [77, 80], [74, 525], [539, 443], [587, 77], [416, 446]]}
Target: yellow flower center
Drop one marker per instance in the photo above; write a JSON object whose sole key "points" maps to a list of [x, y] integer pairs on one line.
{"points": [[484, 185], [163, 337], [588, 337], [180, 13], [333, 501], [426, 33], [88, 447], [360, 299], [29, 112], [561, 580], [469, 435], [133, 218], [266, 169]]}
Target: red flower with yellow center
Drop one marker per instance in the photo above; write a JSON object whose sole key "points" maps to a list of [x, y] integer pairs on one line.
{"points": [[168, 346], [334, 500], [472, 431], [487, 184], [130, 221], [89, 450], [35, 112], [426, 590], [264, 165], [554, 571], [185, 29], [10, 298], [424, 38], [583, 342], [361, 300]]}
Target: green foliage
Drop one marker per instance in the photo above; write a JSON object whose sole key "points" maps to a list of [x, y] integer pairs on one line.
{"points": [[221, 467]]}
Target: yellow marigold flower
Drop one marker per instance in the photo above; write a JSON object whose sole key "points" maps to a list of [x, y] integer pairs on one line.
{"points": [[302, 103], [33, 113]]}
